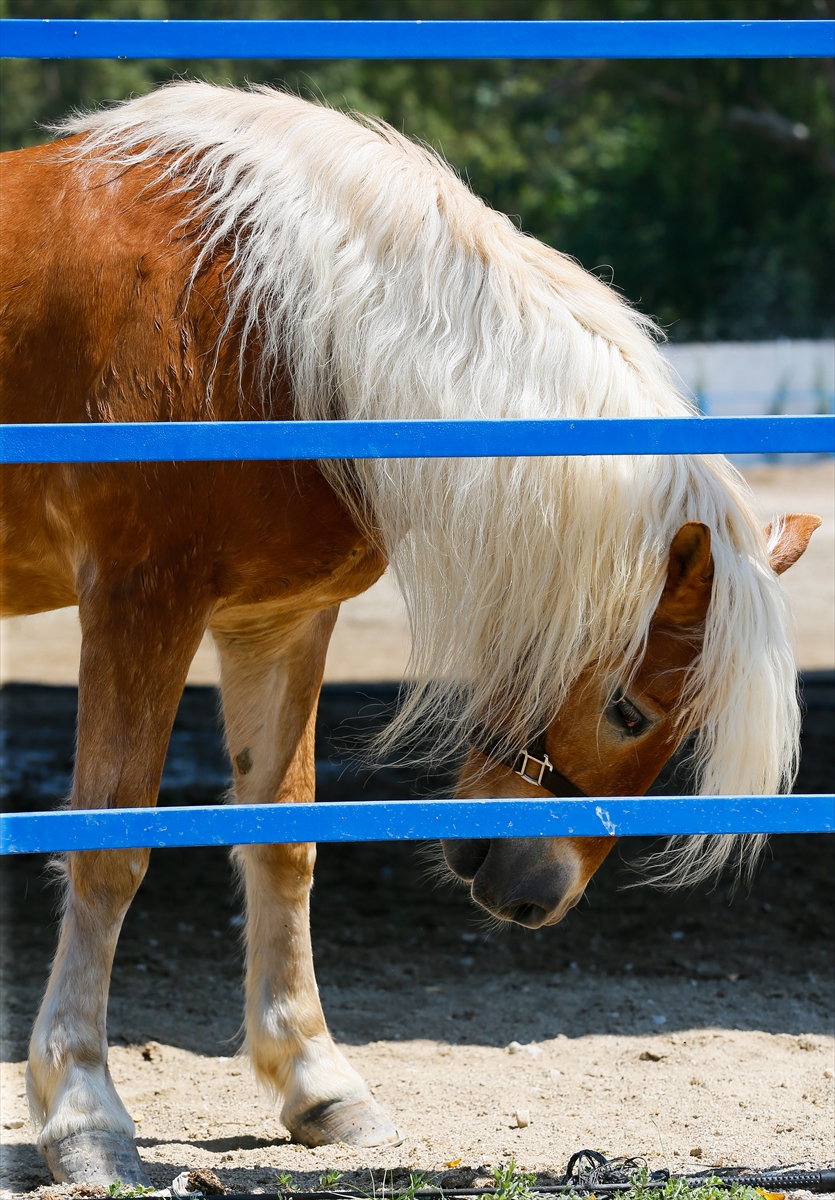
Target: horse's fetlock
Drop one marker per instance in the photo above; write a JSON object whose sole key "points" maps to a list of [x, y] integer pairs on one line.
{"points": [[315, 1073], [81, 1099]]}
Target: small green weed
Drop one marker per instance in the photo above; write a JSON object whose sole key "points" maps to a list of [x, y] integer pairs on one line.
{"points": [[284, 1181], [510, 1186], [120, 1190], [328, 1180], [416, 1184], [403, 1192]]}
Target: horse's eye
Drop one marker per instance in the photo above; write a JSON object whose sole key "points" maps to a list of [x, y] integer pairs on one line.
{"points": [[627, 717]]}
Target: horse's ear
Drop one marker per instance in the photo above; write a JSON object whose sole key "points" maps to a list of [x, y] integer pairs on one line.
{"points": [[794, 532], [686, 593]]}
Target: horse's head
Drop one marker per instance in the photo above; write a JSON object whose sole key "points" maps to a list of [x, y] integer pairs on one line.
{"points": [[610, 738]]}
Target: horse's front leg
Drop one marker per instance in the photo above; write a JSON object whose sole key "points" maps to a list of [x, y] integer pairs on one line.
{"points": [[270, 690], [136, 649], [323, 1099]]}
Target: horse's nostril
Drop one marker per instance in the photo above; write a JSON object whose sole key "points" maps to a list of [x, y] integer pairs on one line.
{"points": [[529, 915], [464, 856]]}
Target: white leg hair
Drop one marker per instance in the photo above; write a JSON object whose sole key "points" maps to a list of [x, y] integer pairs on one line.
{"points": [[271, 673], [125, 714], [291, 1050], [68, 1080]]}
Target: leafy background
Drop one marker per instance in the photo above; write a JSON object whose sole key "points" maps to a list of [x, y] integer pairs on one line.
{"points": [[704, 189]]}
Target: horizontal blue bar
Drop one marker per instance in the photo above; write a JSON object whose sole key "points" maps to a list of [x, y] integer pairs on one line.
{"points": [[208, 441], [412, 820], [416, 39]]}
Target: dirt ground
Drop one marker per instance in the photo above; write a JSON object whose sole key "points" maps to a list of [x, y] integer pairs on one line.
{"points": [[689, 1028], [694, 1029]]}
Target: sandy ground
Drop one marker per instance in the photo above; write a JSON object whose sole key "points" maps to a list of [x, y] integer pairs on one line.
{"points": [[660, 1025], [371, 639], [721, 1094]]}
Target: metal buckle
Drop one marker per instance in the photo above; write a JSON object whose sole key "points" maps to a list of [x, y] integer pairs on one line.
{"points": [[544, 765]]}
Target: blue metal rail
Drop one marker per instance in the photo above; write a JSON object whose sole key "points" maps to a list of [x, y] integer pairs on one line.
{"points": [[413, 820], [241, 440], [415, 39]]}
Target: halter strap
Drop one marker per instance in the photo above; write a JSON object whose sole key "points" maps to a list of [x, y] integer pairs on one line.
{"points": [[531, 764]]}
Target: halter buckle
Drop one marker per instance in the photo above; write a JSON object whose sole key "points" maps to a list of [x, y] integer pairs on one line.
{"points": [[543, 763]]}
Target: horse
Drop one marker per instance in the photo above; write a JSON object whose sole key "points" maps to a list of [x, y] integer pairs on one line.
{"points": [[205, 253]]}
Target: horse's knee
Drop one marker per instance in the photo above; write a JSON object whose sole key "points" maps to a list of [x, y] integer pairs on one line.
{"points": [[105, 878]]}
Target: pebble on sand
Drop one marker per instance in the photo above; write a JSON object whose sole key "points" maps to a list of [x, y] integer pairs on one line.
{"points": [[530, 1048]]}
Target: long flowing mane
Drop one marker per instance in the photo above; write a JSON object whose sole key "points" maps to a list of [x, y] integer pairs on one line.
{"points": [[365, 269]]}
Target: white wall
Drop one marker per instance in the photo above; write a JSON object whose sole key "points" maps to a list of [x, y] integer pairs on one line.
{"points": [[757, 378]]}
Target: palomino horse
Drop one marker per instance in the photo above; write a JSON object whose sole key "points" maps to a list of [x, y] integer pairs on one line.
{"points": [[202, 254]]}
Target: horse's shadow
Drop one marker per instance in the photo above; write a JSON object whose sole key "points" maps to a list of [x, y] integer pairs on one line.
{"points": [[22, 1169], [219, 1145], [247, 1180]]}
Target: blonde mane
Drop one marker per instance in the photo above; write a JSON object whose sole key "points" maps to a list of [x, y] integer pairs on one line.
{"points": [[389, 290]]}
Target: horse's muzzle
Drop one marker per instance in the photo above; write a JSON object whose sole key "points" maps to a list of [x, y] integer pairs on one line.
{"points": [[530, 881]]}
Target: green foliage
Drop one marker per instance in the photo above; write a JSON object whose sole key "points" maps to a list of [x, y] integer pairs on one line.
{"points": [[417, 1183], [327, 1180], [703, 187], [123, 1190], [510, 1186], [284, 1181], [678, 1189], [408, 1192]]}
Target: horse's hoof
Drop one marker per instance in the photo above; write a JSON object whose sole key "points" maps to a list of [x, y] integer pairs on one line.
{"points": [[95, 1156], [358, 1122]]}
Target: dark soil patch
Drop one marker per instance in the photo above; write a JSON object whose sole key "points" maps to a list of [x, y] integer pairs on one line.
{"points": [[377, 913]]}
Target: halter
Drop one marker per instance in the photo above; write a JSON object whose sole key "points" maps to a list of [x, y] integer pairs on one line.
{"points": [[531, 764]]}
